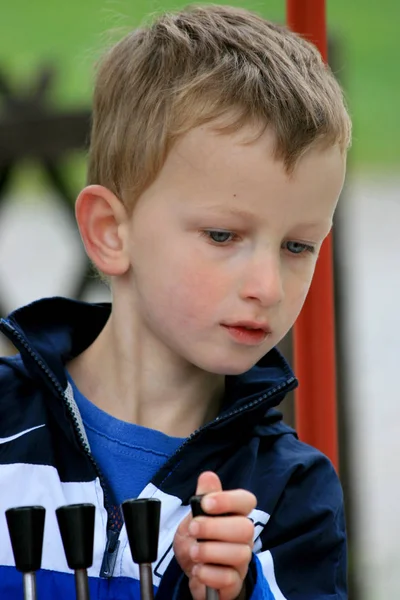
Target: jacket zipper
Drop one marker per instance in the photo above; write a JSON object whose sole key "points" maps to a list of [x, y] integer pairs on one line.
{"points": [[279, 388], [113, 526]]}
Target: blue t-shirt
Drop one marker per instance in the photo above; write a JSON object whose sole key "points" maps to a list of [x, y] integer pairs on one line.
{"points": [[127, 454]]}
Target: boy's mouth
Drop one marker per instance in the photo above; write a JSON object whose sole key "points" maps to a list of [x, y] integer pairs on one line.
{"points": [[250, 325], [248, 332]]}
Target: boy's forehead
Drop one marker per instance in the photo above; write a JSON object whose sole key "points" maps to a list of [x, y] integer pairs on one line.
{"points": [[207, 142], [205, 156], [244, 161]]}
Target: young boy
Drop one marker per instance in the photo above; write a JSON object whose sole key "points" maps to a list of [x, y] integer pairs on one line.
{"points": [[217, 157]]}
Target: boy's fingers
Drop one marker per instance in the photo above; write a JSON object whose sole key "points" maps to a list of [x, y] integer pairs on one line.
{"points": [[238, 502], [224, 579], [207, 483], [237, 556], [236, 529]]}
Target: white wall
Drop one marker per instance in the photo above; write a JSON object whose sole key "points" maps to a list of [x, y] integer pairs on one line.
{"points": [[370, 263], [41, 253]]}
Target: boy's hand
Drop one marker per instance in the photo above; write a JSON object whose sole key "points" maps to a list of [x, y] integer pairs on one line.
{"points": [[222, 561]]}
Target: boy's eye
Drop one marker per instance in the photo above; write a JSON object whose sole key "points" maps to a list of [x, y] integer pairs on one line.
{"points": [[219, 236], [299, 248]]}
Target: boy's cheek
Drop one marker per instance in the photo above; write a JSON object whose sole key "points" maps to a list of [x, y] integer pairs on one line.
{"points": [[298, 286], [200, 287]]}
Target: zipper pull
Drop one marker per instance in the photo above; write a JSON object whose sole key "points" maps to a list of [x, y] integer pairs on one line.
{"points": [[110, 554]]}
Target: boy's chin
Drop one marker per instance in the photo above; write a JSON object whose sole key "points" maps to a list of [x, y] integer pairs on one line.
{"points": [[227, 367]]}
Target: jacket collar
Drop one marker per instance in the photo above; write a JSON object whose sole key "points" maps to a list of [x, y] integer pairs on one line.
{"points": [[57, 329]]}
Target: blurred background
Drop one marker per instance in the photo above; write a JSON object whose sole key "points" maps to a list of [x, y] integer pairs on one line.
{"points": [[47, 55]]}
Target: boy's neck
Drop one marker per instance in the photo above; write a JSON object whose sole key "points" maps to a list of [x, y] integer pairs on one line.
{"points": [[128, 374]]}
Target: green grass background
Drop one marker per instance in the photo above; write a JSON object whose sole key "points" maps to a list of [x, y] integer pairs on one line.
{"points": [[70, 35]]}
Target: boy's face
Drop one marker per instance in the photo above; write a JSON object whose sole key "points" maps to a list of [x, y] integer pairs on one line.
{"points": [[223, 246]]}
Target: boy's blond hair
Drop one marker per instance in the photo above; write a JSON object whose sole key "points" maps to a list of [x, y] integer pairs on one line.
{"points": [[198, 65]]}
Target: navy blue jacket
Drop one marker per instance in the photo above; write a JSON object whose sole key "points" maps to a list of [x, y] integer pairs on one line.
{"points": [[45, 459]]}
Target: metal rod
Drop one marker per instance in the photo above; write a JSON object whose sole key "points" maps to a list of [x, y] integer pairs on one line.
{"points": [[146, 582], [211, 594], [81, 584], [29, 586]]}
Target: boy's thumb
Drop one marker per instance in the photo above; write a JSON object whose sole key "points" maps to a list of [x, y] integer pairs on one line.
{"points": [[208, 482]]}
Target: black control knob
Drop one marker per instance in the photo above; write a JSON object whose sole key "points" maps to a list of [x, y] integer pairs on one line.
{"points": [[26, 529], [195, 503], [142, 521], [76, 524]]}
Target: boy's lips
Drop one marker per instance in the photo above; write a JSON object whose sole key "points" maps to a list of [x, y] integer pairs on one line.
{"points": [[250, 325], [250, 333]]}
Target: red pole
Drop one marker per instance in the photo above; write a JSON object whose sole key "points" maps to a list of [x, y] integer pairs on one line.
{"points": [[314, 331], [308, 17]]}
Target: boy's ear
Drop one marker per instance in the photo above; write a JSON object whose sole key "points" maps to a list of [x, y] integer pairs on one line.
{"points": [[100, 216]]}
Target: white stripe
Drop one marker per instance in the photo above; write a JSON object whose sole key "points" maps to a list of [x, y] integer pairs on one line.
{"points": [[260, 518], [20, 434], [28, 485], [267, 563]]}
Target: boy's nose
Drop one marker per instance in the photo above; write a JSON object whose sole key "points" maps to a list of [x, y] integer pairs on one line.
{"points": [[262, 282]]}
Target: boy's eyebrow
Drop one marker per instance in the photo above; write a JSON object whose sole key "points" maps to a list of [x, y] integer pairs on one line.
{"points": [[235, 211], [240, 212]]}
